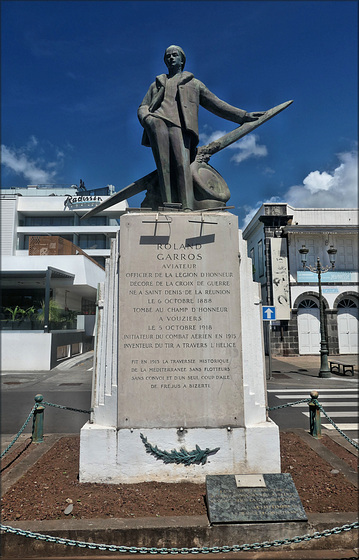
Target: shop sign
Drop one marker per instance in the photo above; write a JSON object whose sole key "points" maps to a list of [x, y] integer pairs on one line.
{"points": [[327, 277], [83, 201]]}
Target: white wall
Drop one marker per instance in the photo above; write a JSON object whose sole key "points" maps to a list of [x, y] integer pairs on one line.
{"points": [[8, 225], [329, 297], [324, 216], [86, 272], [25, 351]]}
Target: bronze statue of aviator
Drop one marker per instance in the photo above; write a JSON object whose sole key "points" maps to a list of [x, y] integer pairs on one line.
{"points": [[169, 116]]}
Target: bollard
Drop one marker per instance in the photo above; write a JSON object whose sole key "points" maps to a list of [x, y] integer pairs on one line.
{"points": [[314, 416], [38, 422]]}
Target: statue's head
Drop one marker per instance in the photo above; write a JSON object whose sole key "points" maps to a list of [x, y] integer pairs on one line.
{"points": [[174, 49]]}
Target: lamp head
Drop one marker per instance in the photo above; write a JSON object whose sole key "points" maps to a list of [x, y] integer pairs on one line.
{"points": [[303, 252], [332, 253]]}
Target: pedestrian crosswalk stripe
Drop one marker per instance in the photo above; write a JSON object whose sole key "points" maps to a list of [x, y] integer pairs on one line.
{"points": [[334, 401], [339, 414], [329, 404], [343, 427], [305, 395], [346, 379], [319, 390]]}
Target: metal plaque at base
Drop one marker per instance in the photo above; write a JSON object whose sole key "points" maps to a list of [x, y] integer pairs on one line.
{"points": [[277, 501], [250, 481]]}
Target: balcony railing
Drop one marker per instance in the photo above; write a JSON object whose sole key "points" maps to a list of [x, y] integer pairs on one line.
{"points": [[44, 245]]}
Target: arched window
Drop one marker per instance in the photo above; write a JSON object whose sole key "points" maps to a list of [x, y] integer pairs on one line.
{"points": [[308, 304], [346, 302]]}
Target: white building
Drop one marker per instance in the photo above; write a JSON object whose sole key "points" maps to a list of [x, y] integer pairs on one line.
{"points": [[57, 210], [48, 220], [274, 236]]}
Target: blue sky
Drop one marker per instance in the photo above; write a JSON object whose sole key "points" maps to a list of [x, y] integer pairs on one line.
{"points": [[75, 72]]}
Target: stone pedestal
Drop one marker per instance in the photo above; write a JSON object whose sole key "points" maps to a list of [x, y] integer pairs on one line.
{"points": [[179, 375]]}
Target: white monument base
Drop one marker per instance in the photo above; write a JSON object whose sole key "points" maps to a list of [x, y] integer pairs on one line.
{"points": [[118, 456], [179, 389]]}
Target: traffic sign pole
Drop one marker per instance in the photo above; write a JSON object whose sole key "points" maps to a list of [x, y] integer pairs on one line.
{"points": [[269, 315], [269, 323]]}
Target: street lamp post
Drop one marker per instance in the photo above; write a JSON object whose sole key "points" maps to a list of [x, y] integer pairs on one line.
{"points": [[319, 269]]}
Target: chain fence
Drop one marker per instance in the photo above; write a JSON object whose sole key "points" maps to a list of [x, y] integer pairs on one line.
{"points": [[317, 403], [20, 431], [353, 443], [67, 407], [164, 550], [287, 404], [39, 402]]}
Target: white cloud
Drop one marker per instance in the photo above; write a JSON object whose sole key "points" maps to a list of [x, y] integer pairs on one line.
{"points": [[26, 162], [335, 189], [208, 138], [268, 171], [250, 213], [317, 181], [248, 147], [245, 148], [32, 142]]}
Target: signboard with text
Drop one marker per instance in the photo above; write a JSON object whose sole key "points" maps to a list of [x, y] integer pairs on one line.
{"points": [[179, 332], [280, 277], [327, 277]]}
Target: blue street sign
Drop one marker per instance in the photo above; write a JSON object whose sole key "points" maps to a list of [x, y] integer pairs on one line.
{"points": [[268, 313]]}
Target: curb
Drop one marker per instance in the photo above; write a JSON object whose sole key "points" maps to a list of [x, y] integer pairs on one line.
{"points": [[326, 454], [37, 450], [72, 362], [175, 532]]}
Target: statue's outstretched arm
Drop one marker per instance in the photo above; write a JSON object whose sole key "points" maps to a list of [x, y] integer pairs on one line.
{"points": [[224, 110]]}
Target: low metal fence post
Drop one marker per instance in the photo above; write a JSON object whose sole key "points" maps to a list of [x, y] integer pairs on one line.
{"points": [[38, 421], [314, 416]]}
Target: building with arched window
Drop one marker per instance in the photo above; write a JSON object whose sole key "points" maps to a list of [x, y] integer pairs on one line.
{"points": [[274, 237]]}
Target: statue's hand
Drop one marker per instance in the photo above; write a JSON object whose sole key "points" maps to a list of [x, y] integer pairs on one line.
{"points": [[253, 116]]}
